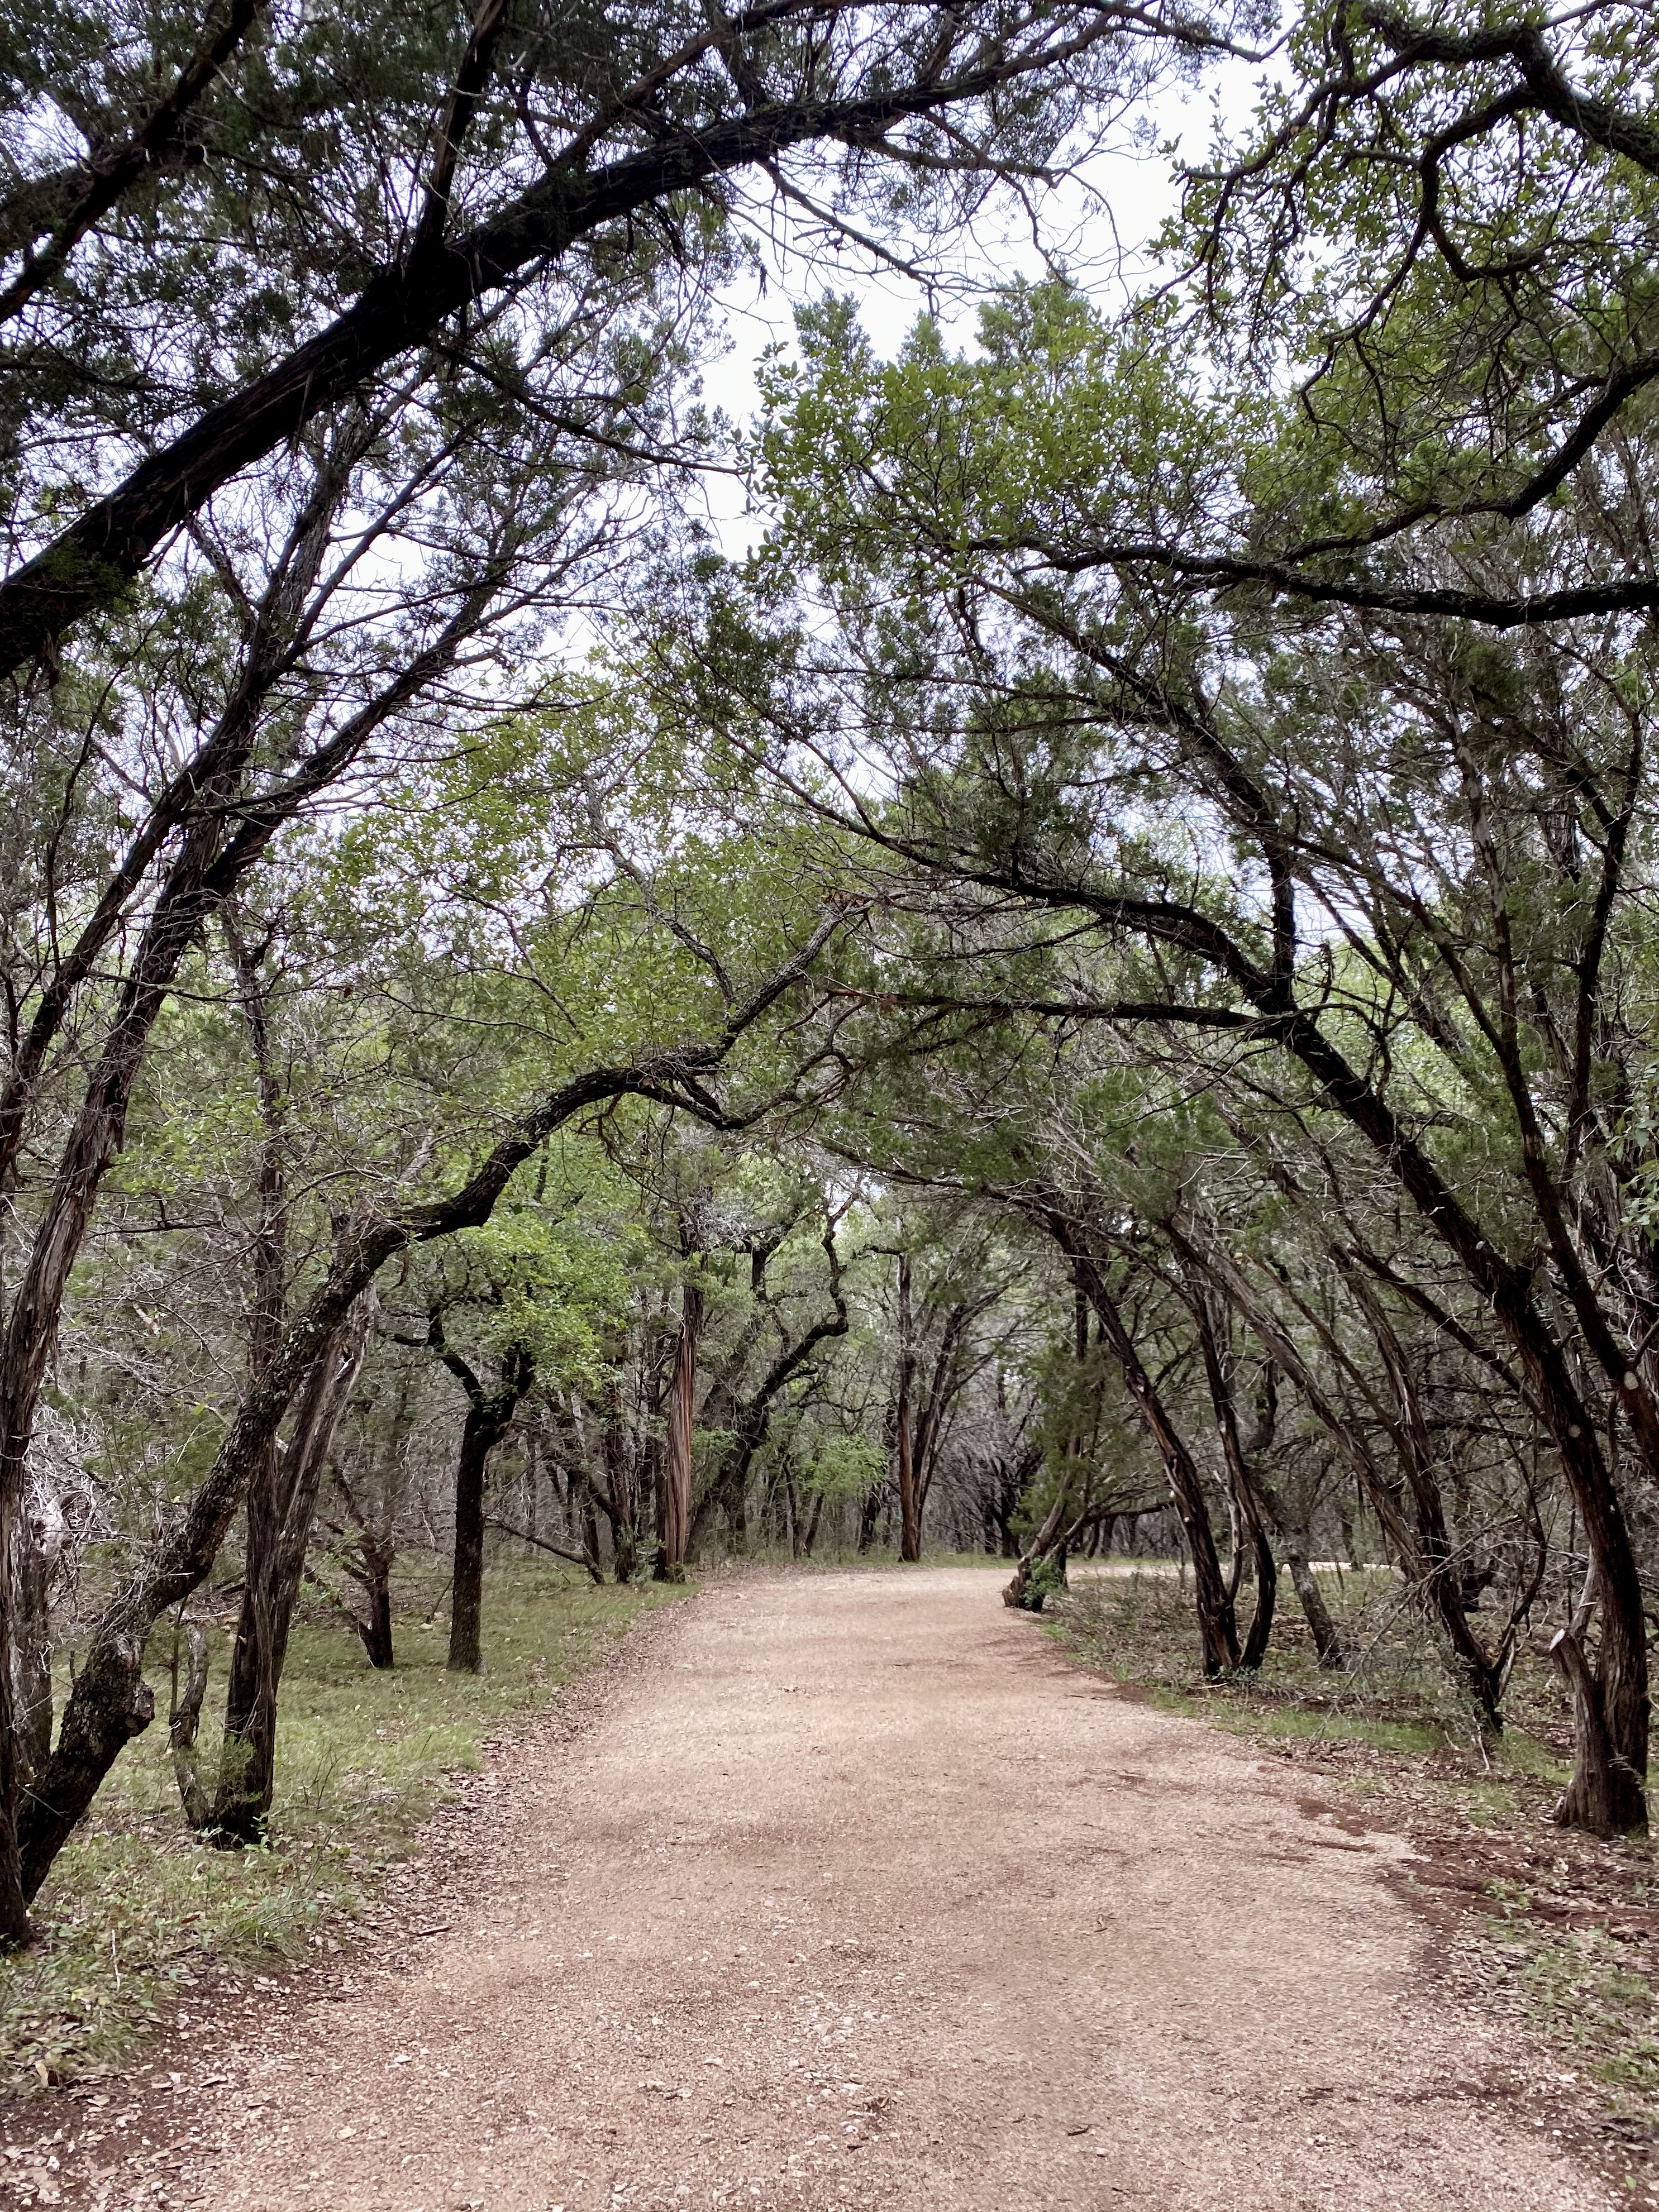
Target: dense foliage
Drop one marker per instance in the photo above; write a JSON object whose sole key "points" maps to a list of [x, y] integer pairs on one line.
{"points": [[1098, 988]]}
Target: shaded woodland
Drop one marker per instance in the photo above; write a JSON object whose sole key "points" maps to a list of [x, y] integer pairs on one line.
{"points": [[1094, 992]]}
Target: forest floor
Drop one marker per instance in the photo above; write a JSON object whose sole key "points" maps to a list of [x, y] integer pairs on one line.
{"points": [[1553, 1929], [143, 1924], [850, 1890]]}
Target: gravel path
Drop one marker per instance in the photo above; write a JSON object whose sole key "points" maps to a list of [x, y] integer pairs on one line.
{"points": [[849, 1893]]}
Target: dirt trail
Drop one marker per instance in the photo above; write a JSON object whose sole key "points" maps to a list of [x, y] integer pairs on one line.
{"points": [[854, 1894]]}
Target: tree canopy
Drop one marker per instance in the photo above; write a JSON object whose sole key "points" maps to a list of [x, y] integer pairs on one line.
{"points": [[1097, 987]]}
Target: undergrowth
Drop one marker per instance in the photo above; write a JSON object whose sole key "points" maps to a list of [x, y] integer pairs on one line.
{"points": [[139, 1912], [1599, 2009], [1394, 1691]]}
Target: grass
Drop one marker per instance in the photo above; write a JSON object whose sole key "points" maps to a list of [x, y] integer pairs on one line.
{"points": [[1598, 2010], [1563, 1933], [138, 1913], [1395, 1693]]}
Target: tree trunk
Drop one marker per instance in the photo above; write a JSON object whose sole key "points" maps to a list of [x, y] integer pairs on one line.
{"points": [[617, 1499], [488, 1416], [909, 1496], [182, 1724], [247, 1759], [1217, 1628], [1267, 1598], [39, 1539], [466, 1589], [1250, 1540], [904, 1437], [1593, 1797], [1018, 1593], [624, 1552], [587, 1516], [1327, 1644], [814, 1518], [869, 1514], [674, 1527], [375, 1628]]}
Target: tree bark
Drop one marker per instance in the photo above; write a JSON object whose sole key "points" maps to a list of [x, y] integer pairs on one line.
{"points": [[374, 1548], [478, 1436], [39, 1534], [1328, 1647], [488, 1416], [1217, 1628], [182, 1724], [375, 1628], [675, 1530], [618, 1499], [270, 1589], [1593, 1797], [1015, 1592]]}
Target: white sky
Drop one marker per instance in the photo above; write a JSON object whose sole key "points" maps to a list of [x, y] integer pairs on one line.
{"points": [[1100, 225]]}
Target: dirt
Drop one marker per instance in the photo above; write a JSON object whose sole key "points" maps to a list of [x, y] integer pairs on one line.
{"points": [[845, 1891]]}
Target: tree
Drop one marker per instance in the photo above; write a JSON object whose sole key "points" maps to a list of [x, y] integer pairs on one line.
{"points": [[540, 1295], [553, 145], [290, 696], [279, 1536], [1014, 752], [111, 1702]]}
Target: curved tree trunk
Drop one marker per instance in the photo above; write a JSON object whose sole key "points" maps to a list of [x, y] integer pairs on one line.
{"points": [[247, 1758], [1218, 1627]]}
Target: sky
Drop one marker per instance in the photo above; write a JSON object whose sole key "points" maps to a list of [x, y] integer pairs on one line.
{"points": [[1101, 224]]}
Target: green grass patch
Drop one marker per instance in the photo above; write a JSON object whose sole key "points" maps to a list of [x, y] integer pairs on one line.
{"points": [[138, 1913], [1591, 2004], [1395, 1694], [1282, 1723]]}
